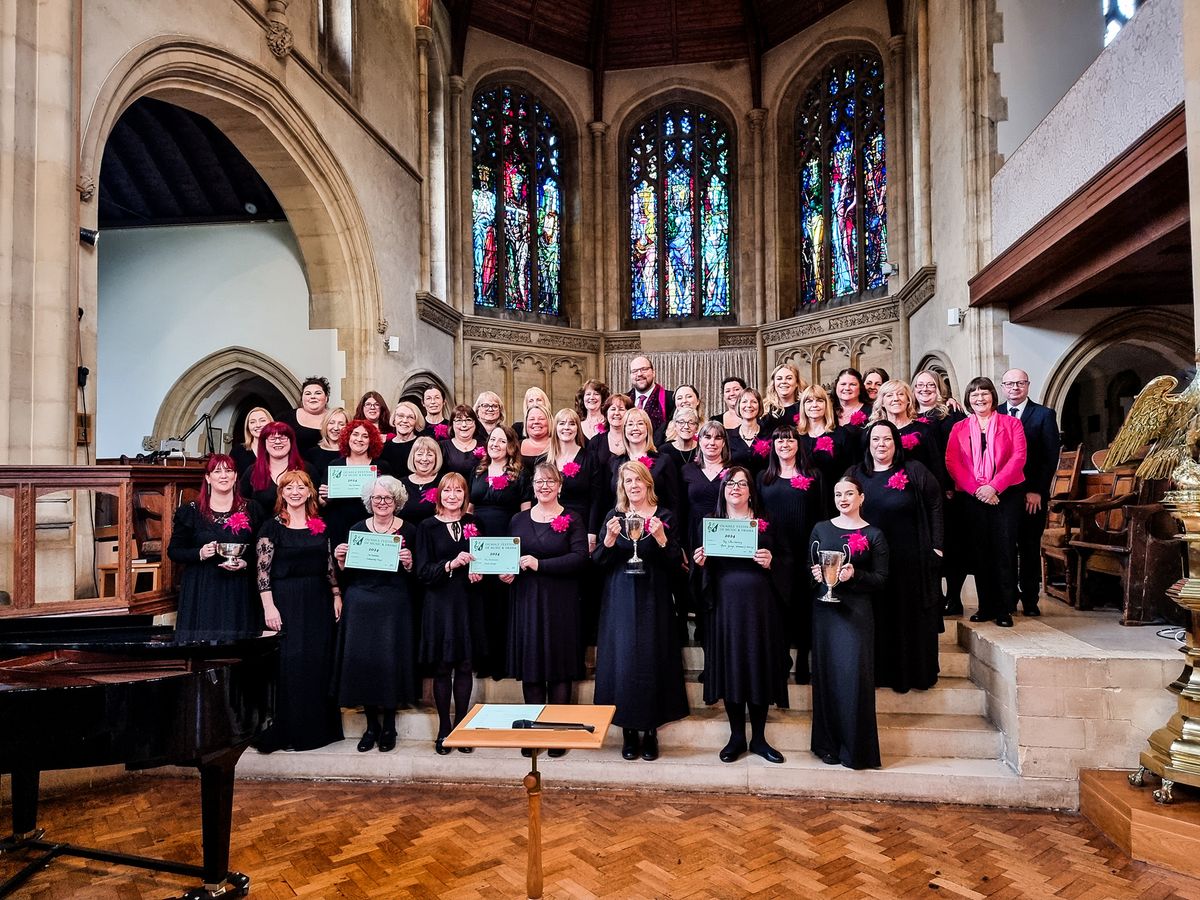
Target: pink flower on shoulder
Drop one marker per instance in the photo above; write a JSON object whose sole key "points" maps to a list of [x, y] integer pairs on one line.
{"points": [[910, 440], [497, 482], [316, 526], [762, 525], [647, 461], [824, 444], [561, 523], [723, 474], [429, 495], [478, 451], [238, 522], [571, 469], [801, 482], [761, 447], [601, 427], [441, 432], [858, 418], [470, 530], [924, 420], [857, 542], [898, 482], [796, 419]]}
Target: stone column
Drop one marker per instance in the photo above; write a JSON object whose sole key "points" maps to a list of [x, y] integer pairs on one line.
{"points": [[424, 39], [594, 312], [757, 119], [925, 195], [897, 208], [462, 259], [1190, 22]]}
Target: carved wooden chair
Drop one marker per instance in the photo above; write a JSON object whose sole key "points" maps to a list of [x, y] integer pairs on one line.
{"points": [[1058, 557]]}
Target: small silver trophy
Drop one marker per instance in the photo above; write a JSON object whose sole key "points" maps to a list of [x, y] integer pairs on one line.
{"points": [[830, 563], [633, 527], [231, 552]]}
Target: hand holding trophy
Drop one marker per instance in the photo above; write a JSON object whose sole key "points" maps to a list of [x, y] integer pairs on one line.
{"points": [[633, 527], [830, 563]]}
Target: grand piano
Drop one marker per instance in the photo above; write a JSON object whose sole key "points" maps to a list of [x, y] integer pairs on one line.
{"points": [[88, 691]]}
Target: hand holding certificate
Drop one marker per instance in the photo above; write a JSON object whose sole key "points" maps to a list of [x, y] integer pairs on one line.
{"points": [[349, 481], [732, 538], [495, 556], [377, 552]]}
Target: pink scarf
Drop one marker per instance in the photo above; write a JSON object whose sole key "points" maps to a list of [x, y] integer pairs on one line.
{"points": [[982, 461]]}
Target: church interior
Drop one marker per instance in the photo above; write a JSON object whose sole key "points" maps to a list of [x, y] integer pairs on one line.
{"points": [[202, 204]]}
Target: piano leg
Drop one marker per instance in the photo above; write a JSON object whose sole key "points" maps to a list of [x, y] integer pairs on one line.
{"points": [[25, 784], [216, 811]]}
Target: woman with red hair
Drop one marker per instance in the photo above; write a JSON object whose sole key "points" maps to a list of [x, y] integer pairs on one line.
{"points": [[361, 444], [277, 453]]}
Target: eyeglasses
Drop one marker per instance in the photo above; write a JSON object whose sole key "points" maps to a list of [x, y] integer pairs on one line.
{"points": [[544, 482], [279, 438], [371, 403], [640, 369], [1013, 383], [737, 484], [488, 406], [386, 501]]}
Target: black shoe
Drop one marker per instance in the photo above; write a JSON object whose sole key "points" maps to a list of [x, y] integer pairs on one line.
{"points": [[1004, 620], [830, 759], [527, 753], [978, 617], [466, 749], [440, 749], [1031, 611], [952, 609], [733, 750], [368, 741], [650, 746], [387, 742], [766, 751], [556, 753], [630, 749]]}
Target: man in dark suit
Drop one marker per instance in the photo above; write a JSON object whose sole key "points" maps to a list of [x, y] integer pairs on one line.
{"points": [[647, 394], [1042, 441]]}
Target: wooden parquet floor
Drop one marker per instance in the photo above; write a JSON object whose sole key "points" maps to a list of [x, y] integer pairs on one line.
{"points": [[304, 839]]}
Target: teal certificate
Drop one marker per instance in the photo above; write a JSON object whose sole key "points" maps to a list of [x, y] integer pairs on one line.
{"points": [[349, 481], [735, 538], [495, 556], [378, 552]]}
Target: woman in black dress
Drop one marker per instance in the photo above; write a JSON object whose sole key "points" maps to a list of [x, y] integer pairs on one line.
{"points": [[421, 484], [301, 600], [277, 454], [376, 655], [462, 452], [896, 403], [499, 490], [904, 501], [745, 657], [589, 406], [852, 408], [581, 479], [731, 392], [544, 649], [306, 419], [433, 409], [639, 445], [749, 446], [639, 664], [407, 424], [823, 441], [361, 446], [246, 452], [330, 447], [216, 597], [609, 444], [793, 498], [681, 446], [536, 436], [781, 405], [489, 409], [452, 618], [374, 409], [844, 729]]}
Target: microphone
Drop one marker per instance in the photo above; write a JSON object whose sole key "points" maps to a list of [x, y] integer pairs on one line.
{"points": [[553, 726]]}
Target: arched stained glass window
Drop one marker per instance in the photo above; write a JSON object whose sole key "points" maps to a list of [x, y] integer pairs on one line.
{"points": [[516, 202], [679, 215], [842, 181]]}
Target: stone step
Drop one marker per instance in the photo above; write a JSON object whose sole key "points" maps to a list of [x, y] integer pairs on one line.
{"points": [[900, 734], [986, 782], [953, 660]]}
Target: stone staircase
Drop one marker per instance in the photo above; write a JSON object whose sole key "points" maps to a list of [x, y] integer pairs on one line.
{"points": [[937, 746]]}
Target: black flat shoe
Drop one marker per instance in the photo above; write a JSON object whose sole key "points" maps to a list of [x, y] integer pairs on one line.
{"points": [[387, 741], [466, 749], [630, 749], [650, 746], [556, 753], [733, 750], [1004, 620], [952, 609], [367, 742], [1031, 611], [830, 759], [527, 753], [978, 618], [440, 749], [767, 752]]}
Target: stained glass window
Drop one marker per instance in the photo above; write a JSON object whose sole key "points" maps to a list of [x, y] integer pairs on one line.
{"points": [[679, 215], [1116, 14], [842, 181], [516, 202]]}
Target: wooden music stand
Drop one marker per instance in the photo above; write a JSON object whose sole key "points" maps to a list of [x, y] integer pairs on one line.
{"points": [[600, 717]]}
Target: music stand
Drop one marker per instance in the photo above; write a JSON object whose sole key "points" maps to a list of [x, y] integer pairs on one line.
{"points": [[599, 717]]}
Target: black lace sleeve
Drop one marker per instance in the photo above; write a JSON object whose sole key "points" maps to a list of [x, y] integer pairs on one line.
{"points": [[331, 571], [265, 551]]}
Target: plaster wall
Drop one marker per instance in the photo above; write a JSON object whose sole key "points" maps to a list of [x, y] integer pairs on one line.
{"points": [[1038, 349], [168, 297]]}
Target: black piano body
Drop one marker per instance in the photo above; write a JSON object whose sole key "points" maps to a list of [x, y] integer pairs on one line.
{"points": [[94, 691]]}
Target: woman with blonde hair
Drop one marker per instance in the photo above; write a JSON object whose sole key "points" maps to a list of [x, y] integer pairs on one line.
{"points": [[490, 410], [330, 446], [896, 403], [425, 461], [534, 396], [681, 444], [245, 453], [639, 445], [407, 424], [824, 442], [537, 434], [781, 405], [581, 481]]}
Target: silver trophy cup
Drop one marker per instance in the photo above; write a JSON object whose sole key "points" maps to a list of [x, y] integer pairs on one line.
{"points": [[231, 552], [830, 563], [633, 527]]}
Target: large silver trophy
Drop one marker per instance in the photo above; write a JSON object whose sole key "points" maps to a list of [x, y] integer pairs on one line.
{"points": [[830, 562], [231, 552], [633, 527]]}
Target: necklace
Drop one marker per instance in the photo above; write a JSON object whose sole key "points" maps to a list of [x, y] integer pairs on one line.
{"points": [[387, 529], [538, 515]]}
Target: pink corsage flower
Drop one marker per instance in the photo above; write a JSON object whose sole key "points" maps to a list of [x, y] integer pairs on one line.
{"points": [[470, 530], [316, 526], [561, 523], [647, 461], [796, 419], [910, 440], [859, 418], [429, 495], [601, 428], [238, 522], [801, 482], [857, 543], [898, 482], [498, 482], [761, 447], [441, 432], [571, 469], [762, 525], [478, 451], [924, 420], [723, 474], [824, 445]]}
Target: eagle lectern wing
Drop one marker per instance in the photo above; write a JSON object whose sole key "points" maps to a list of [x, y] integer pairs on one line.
{"points": [[1159, 418]]}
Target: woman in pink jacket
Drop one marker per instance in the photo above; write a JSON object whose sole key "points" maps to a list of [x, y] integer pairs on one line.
{"points": [[985, 456]]}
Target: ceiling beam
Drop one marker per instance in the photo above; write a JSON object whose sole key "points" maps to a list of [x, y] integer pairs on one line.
{"points": [[754, 45], [598, 49], [895, 10], [460, 22]]}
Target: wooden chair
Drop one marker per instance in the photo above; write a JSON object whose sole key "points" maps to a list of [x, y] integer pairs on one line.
{"points": [[1058, 558]]}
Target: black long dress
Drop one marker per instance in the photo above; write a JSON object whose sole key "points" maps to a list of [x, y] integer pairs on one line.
{"points": [[243, 459], [395, 454], [215, 603], [830, 457], [908, 615], [581, 488], [342, 512], [843, 692], [422, 500], [543, 638], [754, 455], [494, 510], [377, 646], [461, 461], [599, 451], [793, 506], [267, 496], [296, 566], [452, 627], [662, 469], [745, 657], [639, 663]]}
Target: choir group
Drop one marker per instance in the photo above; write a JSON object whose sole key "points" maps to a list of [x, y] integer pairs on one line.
{"points": [[615, 504]]}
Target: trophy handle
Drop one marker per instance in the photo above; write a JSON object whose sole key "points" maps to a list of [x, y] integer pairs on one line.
{"points": [[816, 553]]}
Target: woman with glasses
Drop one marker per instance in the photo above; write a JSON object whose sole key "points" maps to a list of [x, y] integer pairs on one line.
{"points": [[681, 446], [745, 656], [544, 647], [374, 409], [376, 656], [407, 425], [639, 663], [462, 451], [277, 454], [216, 595], [489, 409], [420, 484], [793, 497], [306, 419], [361, 445]]}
